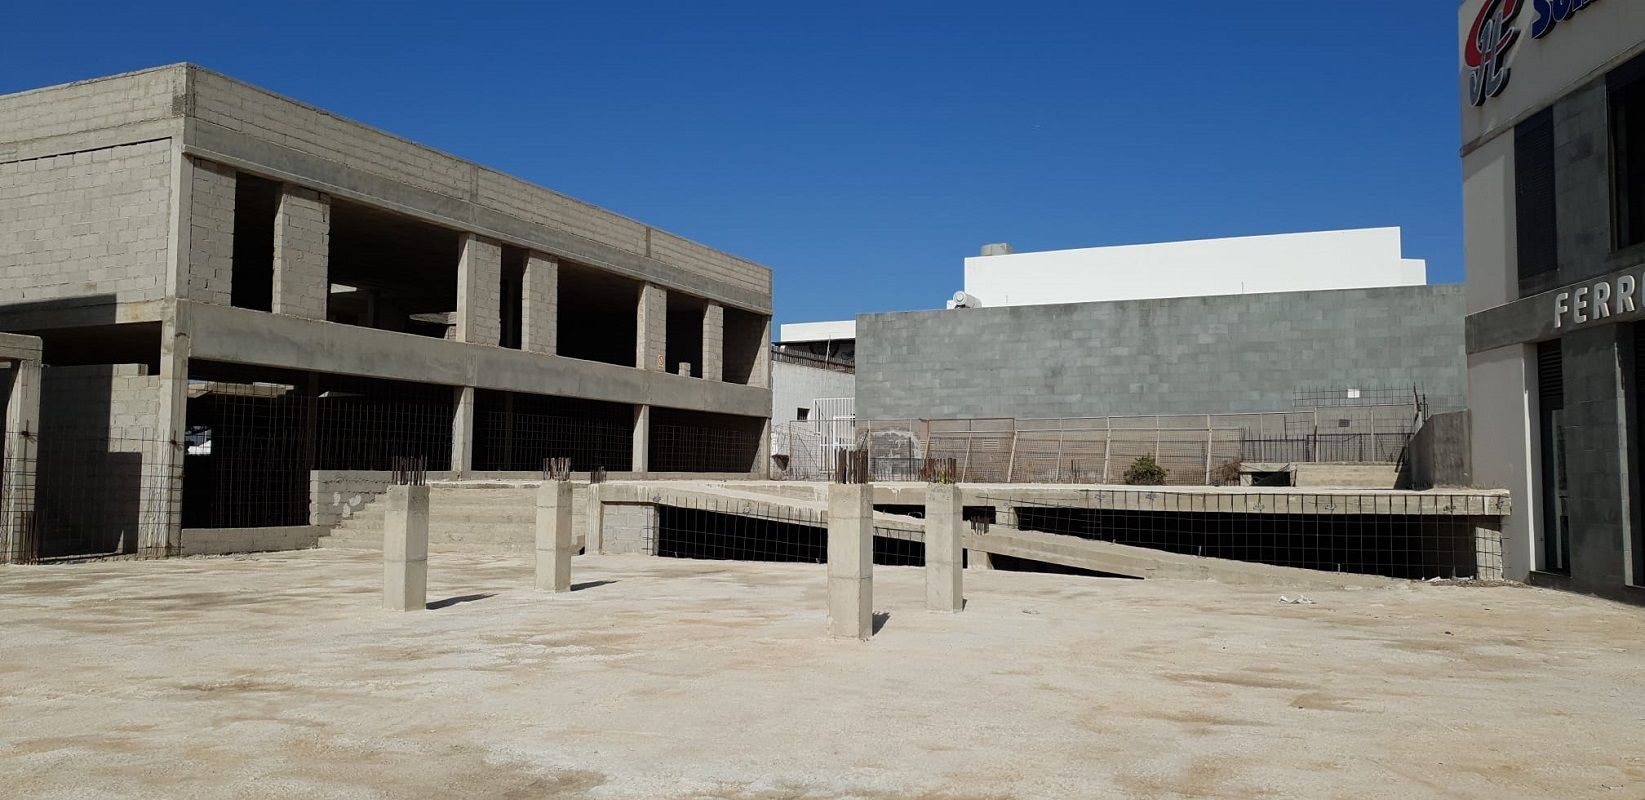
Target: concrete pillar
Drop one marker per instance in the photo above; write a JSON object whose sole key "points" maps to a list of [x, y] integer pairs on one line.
{"points": [[1488, 548], [540, 304], [762, 456], [642, 440], [18, 456], [651, 329], [944, 548], [405, 549], [714, 342], [761, 375], [302, 251], [851, 560], [161, 500], [206, 240], [555, 543], [462, 430], [479, 291], [594, 518]]}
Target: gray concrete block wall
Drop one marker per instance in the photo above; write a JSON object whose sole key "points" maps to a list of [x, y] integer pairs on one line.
{"points": [[302, 251], [89, 223], [540, 304], [211, 233], [1196, 355], [479, 291], [1582, 183], [651, 332], [1594, 464], [94, 104], [714, 342]]}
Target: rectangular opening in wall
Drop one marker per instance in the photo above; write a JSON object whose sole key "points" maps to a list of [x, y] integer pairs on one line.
{"points": [[514, 432], [255, 202], [392, 272], [746, 346], [511, 310], [685, 334], [598, 312], [693, 441], [1555, 522], [1535, 231], [1626, 87]]}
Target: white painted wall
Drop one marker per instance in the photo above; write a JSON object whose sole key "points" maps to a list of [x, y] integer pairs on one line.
{"points": [[1490, 248], [1352, 259], [834, 331], [1502, 399], [794, 387]]}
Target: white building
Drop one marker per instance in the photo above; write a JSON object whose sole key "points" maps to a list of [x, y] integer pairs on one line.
{"points": [[1290, 262]]}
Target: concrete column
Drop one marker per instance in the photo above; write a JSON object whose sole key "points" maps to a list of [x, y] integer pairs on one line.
{"points": [[302, 252], [479, 291], [206, 243], [405, 549], [944, 548], [651, 329], [555, 543], [540, 304], [594, 518], [761, 375], [762, 456], [162, 490], [714, 342], [18, 457], [642, 439], [462, 431], [851, 560], [1488, 548]]}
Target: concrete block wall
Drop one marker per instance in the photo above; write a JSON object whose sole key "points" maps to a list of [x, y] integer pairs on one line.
{"points": [[302, 249], [336, 495], [102, 103], [714, 342], [651, 333], [211, 233], [479, 291], [1596, 467], [1197, 355], [1582, 180], [540, 304], [121, 399], [87, 223]]}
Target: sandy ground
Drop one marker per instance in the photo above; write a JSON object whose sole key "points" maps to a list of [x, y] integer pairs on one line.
{"points": [[277, 676]]}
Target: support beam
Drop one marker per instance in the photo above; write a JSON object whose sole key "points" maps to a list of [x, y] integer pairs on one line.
{"points": [[19, 439], [851, 560], [302, 251], [714, 342], [479, 291], [944, 548], [462, 431], [554, 536], [642, 440], [405, 549], [540, 304], [651, 329]]}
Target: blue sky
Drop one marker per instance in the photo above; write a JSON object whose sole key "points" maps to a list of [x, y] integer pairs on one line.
{"points": [[862, 150]]}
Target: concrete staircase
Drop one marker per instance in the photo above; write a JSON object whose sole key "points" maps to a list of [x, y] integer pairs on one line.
{"points": [[461, 517]]}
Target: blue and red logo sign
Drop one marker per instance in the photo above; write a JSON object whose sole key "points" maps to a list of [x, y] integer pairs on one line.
{"points": [[1485, 53], [1552, 12]]}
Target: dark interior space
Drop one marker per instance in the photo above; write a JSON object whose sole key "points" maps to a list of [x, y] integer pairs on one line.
{"points": [[391, 272], [256, 200], [516, 432], [712, 534], [694, 441], [129, 343], [685, 333], [745, 339], [1626, 86], [511, 298], [598, 312]]}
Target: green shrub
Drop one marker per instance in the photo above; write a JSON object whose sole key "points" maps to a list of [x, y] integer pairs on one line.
{"points": [[1145, 471]]}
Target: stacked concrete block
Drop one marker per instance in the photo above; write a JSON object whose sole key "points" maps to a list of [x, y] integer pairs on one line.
{"points": [[405, 549], [211, 233], [479, 291], [714, 342], [651, 331], [555, 539], [302, 249], [944, 548], [629, 528], [90, 223], [851, 560], [540, 304]]}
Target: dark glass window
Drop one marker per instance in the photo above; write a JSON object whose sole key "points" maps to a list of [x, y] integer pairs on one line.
{"points": [[1550, 375], [1626, 86], [1535, 231]]}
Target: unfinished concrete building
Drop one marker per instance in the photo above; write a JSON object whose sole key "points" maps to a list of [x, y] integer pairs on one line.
{"points": [[245, 301]]}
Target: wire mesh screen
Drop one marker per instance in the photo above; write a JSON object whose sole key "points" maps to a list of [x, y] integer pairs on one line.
{"points": [[729, 531], [701, 443], [516, 432], [1401, 543], [86, 495]]}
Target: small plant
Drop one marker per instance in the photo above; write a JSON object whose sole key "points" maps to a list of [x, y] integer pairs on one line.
{"points": [[1226, 473], [1145, 471]]}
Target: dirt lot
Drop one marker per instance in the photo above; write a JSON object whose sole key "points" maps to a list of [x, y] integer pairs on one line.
{"points": [[277, 676]]}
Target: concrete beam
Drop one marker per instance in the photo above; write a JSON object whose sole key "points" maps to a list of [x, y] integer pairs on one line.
{"points": [[851, 561], [405, 549], [555, 543], [239, 336], [944, 548], [540, 304]]}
